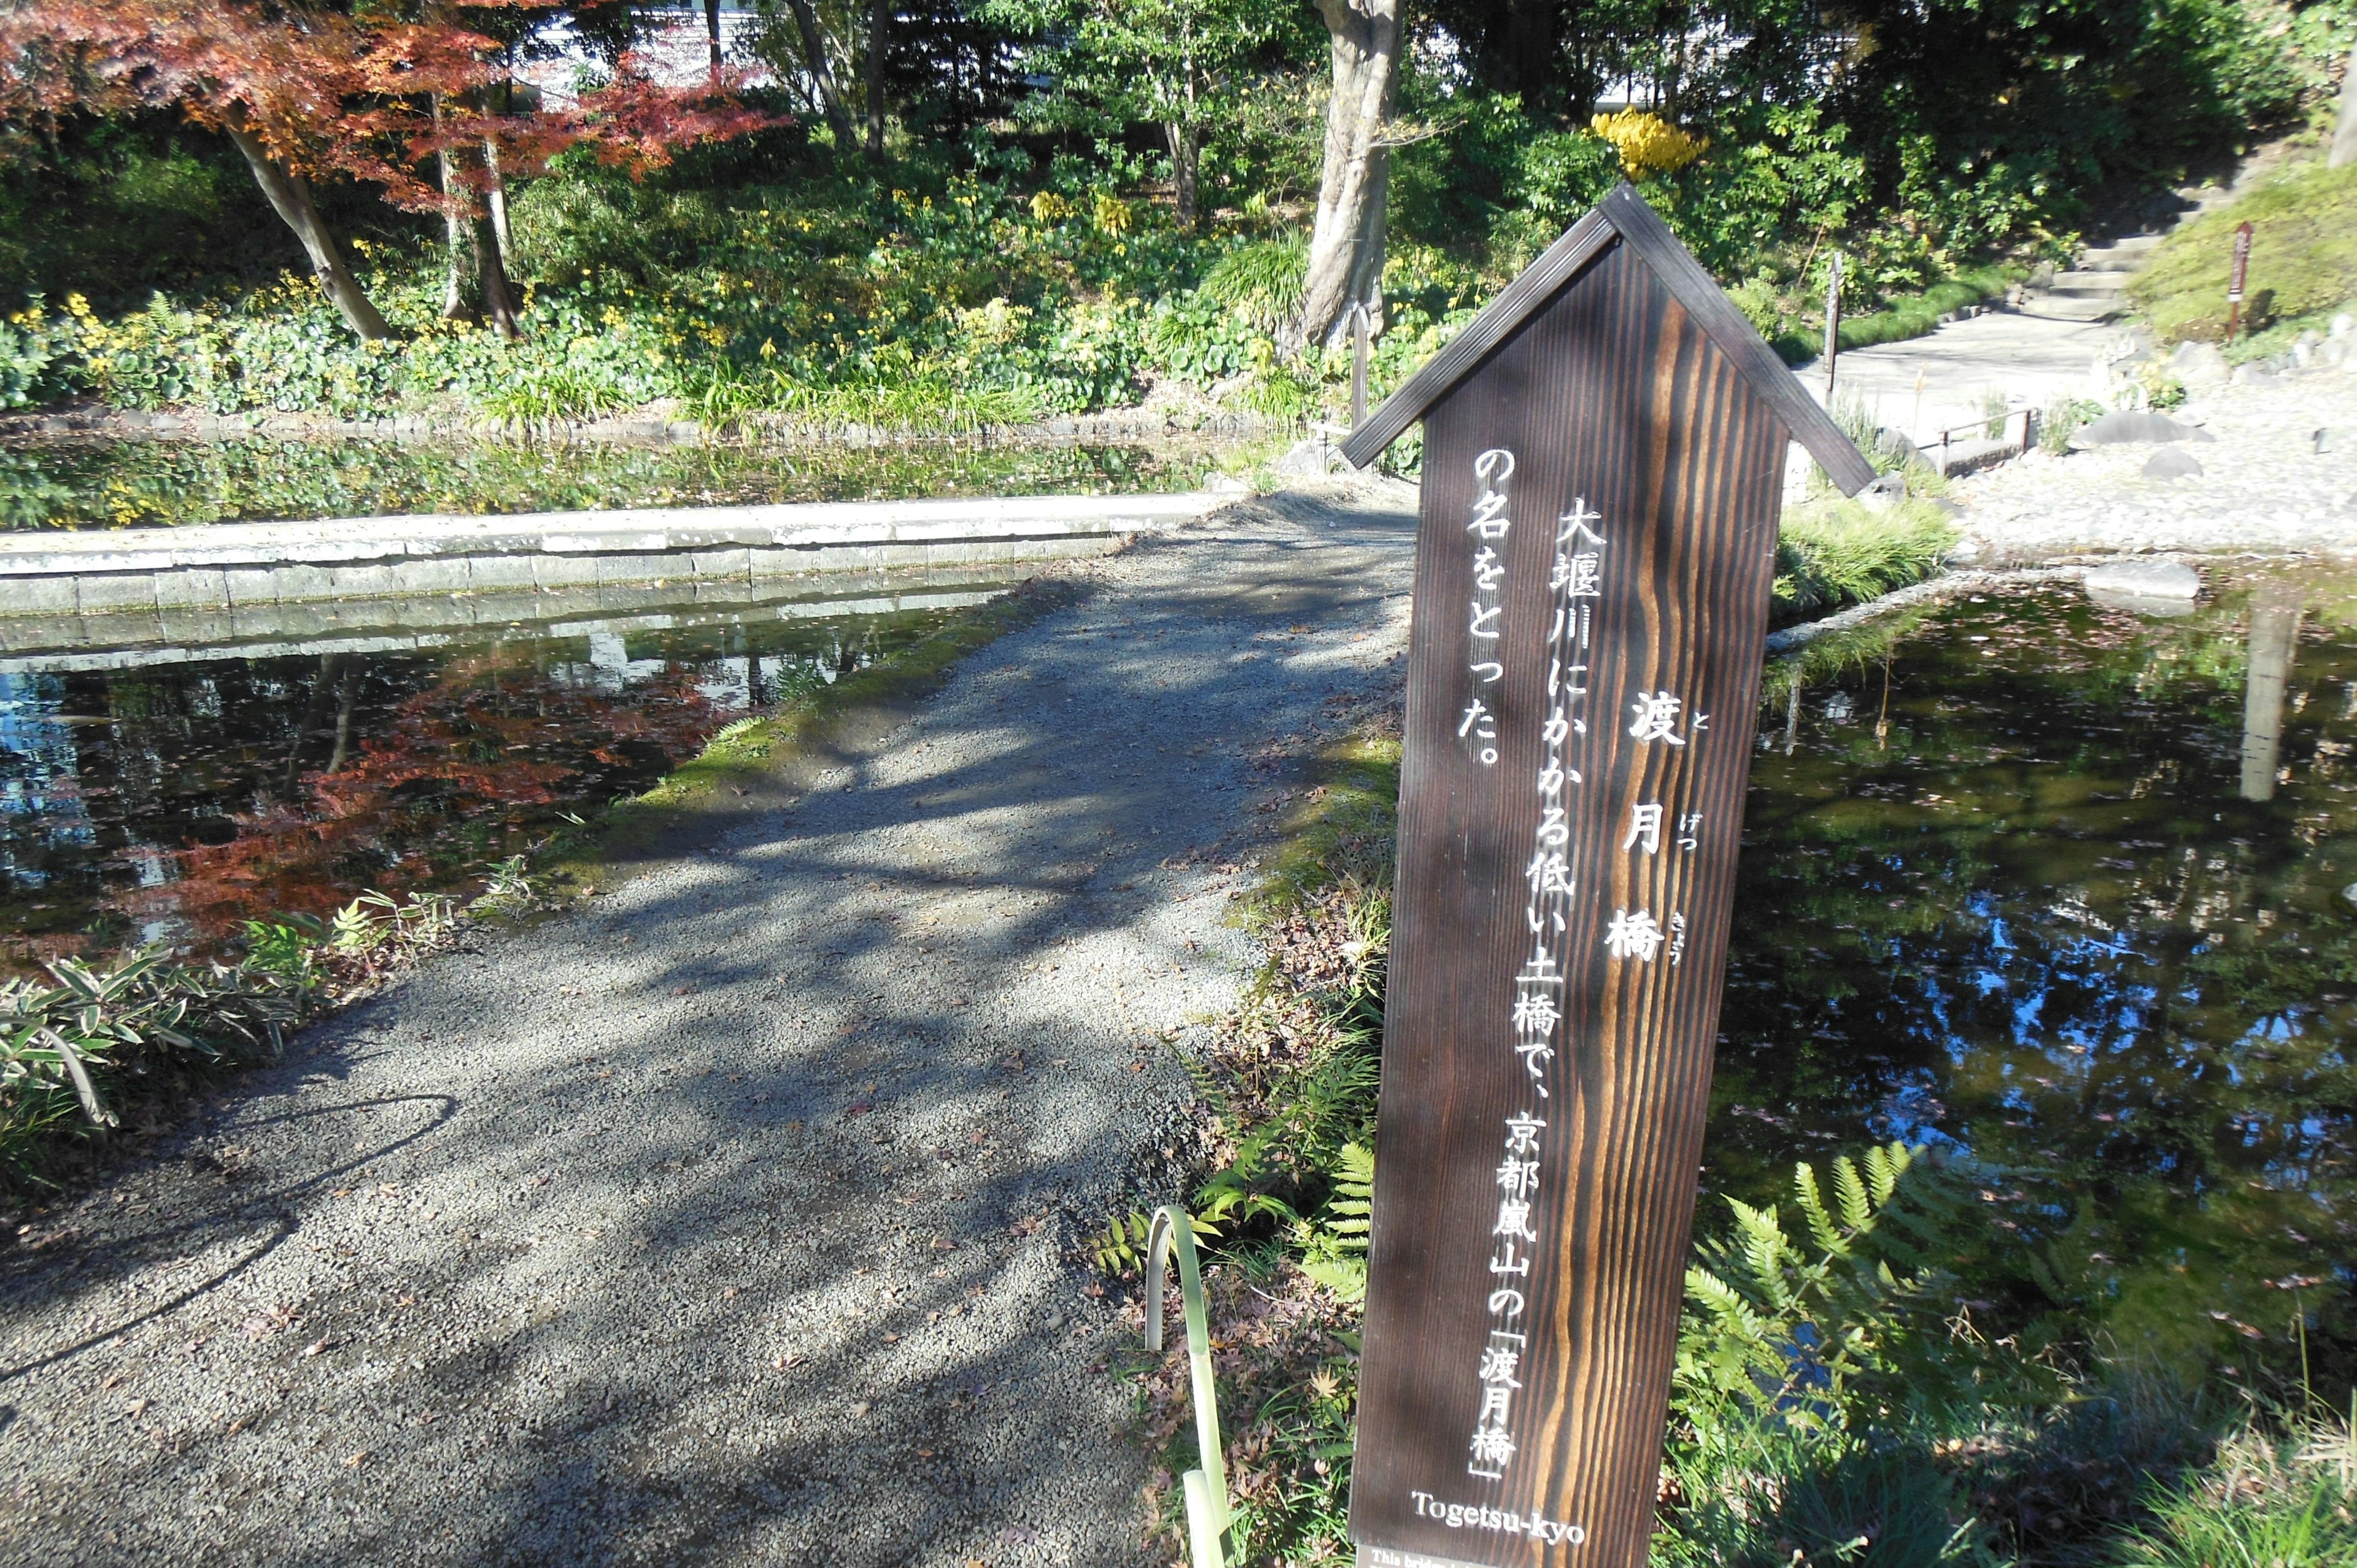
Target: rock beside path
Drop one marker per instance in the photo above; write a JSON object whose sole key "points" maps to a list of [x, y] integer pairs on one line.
{"points": [[734, 1218]]}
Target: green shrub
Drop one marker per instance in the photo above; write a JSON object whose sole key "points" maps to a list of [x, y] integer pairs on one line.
{"points": [[67, 1042], [37, 364], [1835, 553]]}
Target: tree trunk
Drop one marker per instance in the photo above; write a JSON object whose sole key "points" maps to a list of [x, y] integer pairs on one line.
{"points": [[290, 197], [454, 229], [1529, 40], [879, 25], [2344, 134], [830, 97], [712, 33], [1185, 167], [1346, 246], [495, 199], [454, 244], [492, 281]]}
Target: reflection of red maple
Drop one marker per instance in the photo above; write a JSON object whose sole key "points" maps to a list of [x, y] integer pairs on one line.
{"points": [[488, 750]]}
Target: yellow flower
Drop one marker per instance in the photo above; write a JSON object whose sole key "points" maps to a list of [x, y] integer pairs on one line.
{"points": [[1648, 143]]}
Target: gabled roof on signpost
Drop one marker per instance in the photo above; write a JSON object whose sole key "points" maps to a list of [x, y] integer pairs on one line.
{"points": [[1624, 217]]}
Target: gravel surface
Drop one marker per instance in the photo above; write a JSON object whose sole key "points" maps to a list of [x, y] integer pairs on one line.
{"points": [[731, 1218], [2265, 486]]}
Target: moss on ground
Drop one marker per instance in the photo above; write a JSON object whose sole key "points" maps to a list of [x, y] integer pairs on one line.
{"points": [[2303, 259]]}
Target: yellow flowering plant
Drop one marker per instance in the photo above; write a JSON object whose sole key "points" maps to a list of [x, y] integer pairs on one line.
{"points": [[1648, 145]]}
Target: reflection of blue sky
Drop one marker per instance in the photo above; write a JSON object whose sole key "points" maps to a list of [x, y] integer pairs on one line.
{"points": [[40, 788]]}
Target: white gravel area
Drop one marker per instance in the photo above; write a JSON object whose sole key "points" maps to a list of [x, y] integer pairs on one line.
{"points": [[2268, 485], [732, 1218]]}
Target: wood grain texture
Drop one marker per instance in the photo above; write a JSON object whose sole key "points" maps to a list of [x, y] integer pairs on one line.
{"points": [[1622, 215], [1809, 425], [1614, 391]]}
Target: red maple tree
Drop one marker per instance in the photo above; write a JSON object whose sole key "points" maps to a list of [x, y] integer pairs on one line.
{"points": [[308, 91]]}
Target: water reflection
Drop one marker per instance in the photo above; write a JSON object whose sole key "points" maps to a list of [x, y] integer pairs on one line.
{"points": [[161, 796], [90, 483], [2275, 633], [2070, 900]]}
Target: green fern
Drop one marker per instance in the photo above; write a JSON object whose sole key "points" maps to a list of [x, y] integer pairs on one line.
{"points": [[1788, 1327], [1335, 1248], [1120, 1247]]}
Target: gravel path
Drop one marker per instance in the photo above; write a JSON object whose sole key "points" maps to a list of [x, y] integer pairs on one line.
{"points": [[728, 1219], [2266, 487]]}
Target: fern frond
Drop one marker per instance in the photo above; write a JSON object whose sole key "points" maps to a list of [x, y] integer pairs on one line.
{"points": [[1857, 1210], [1813, 1209]]}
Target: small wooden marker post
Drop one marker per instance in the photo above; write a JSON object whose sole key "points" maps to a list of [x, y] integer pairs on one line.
{"points": [[1359, 351], [1833, 321], [2240, 276], [1603, 451]]}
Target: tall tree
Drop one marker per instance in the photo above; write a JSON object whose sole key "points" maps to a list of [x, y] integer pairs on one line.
{"points": [[1168, 63], [1346, 245]]}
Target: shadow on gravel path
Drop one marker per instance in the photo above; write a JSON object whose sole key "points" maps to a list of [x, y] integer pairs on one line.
{"points": [[726, 1220]]}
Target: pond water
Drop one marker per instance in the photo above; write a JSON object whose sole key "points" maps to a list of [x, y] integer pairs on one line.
{"points": [[169, 797], [90, 483], [2063, 886]]}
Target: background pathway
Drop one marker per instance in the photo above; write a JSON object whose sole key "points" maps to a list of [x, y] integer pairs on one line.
{"points": [[726, 1221]]}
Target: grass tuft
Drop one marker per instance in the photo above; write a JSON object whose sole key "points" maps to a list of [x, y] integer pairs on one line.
{"points": [[1831, 554]]}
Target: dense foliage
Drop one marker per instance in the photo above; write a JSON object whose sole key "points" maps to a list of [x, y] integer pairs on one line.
{"points": [[1076, 202]]}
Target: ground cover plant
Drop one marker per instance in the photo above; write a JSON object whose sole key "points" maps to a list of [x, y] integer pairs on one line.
{"points": [[86, 1048]]}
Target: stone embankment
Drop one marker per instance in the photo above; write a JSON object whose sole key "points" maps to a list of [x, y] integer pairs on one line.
{"points": [[193, 584]]}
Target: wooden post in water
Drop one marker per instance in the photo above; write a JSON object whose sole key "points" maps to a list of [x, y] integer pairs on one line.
{"points": [[1603, 461]]}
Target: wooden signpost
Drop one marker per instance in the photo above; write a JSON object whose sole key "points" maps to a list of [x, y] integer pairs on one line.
{"points": [[1604, 450], [2239, 275]]}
